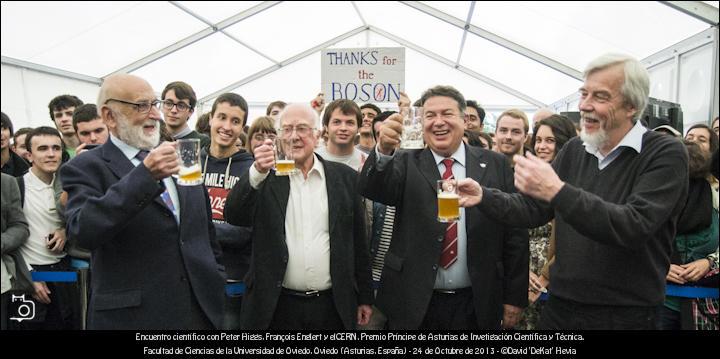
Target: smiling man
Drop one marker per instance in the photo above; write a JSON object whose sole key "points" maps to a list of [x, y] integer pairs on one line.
{"points": [[223, 164], [615, 194], [311, 265], [511, 132], [341, 120], [471, 274], [44, 249], [154, 254]]}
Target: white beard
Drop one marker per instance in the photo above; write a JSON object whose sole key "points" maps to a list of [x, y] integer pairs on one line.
{"points": [[135, 135], [597, 140]]}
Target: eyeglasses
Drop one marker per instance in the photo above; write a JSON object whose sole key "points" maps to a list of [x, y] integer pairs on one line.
{"points": [[302, 131], [263, 136], [142, 107], [181, 106]]}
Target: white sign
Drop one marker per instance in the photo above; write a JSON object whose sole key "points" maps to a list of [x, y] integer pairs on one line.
{"points": [[375, 74]]}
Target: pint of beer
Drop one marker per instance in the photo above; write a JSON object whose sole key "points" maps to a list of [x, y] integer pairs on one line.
{"points": [[412, 134], [448, 207], [190, 174], [284, 167], [188, 151], [284, 161]]}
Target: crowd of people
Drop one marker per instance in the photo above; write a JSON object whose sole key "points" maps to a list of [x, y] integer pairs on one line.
{"points": [[583, 225]]}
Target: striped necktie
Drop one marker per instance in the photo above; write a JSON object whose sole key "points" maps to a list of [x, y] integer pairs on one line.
{"points": [[165, 195], [448, 256]]}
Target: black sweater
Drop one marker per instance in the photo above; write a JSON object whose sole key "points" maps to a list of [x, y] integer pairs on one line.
{"points": [[614, 227]]}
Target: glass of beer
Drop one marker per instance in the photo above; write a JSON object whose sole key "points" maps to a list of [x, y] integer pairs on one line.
{"points": [[188, 151], [447, 196], [412, 135], [284, 161]]}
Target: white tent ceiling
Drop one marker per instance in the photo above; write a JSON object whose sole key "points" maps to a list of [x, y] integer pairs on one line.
{"points": [[520, 54]]}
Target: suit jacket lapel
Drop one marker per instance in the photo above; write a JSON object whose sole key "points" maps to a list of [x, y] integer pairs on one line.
{"points": [[475, 164], [116, 160], [428, 168], [475, 168], [332, 182], [280, 187], [121, 166], [183, 192]]}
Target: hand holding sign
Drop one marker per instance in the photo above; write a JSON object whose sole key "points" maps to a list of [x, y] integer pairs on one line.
{"points": [[318, 103]]}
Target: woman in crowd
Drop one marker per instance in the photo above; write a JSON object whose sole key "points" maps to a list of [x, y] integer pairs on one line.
{"points": [[262, 128], [549, 136], [695, 250]]}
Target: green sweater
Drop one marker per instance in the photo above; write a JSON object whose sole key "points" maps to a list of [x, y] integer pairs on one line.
{"points": [[614, 227]]}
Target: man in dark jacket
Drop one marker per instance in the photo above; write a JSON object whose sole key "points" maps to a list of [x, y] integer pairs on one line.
{"points": [[12, 164], [154, 254], [310, 265], [470, 274], [223, 164]]}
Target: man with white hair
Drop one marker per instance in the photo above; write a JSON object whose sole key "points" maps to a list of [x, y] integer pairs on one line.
{"points": [[154, 254], [615, 193], [310, 266]]}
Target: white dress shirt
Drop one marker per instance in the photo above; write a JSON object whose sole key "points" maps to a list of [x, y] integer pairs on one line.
{"points": [[307, 231], [632, 139], [457, 276], [43, 219]]}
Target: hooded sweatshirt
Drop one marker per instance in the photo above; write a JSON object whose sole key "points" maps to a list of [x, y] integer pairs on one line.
{"points": [[220, 175]]}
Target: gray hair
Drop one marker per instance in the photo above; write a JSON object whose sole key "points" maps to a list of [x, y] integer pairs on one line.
{"points": [[447, 91], [314, 117], [636, 87]]}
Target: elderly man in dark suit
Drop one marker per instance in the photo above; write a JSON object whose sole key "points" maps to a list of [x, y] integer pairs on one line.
{"points": [[465, 275], [310, 266], [154, 255]]}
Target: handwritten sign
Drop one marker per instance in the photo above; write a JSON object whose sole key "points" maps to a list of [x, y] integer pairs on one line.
{"points": [[375, 74]]}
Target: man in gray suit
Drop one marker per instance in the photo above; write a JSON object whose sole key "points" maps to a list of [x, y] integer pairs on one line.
{"points": [[14, 234], [466, 275], [310, 266]]}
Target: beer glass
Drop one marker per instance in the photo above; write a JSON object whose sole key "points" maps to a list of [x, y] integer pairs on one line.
{"points": [[188, 151], [448, 206], [284, 161], [412, 135]]}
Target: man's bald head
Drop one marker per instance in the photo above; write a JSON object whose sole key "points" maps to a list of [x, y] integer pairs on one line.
{"points": [[542, 114], [121, 86], [127, 105], [303, 110]]}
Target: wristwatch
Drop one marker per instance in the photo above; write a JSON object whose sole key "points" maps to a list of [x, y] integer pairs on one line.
{"points": [[713, 262]]}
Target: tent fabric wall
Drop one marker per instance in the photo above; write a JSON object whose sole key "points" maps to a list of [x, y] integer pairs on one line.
{"points": [[26, 94], [503, 54]]}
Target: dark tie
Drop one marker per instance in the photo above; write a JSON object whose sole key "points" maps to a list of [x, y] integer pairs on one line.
{"points": [[449, 244], [165, 195]]}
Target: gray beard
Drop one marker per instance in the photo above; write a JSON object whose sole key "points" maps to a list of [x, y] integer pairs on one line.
{"points": [[136, 137], [597, 139]]}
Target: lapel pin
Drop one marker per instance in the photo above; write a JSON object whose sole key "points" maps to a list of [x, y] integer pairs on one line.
{"points": [[482, 164]]}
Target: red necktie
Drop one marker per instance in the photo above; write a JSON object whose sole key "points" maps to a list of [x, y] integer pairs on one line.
{"points": [[449, 244]]}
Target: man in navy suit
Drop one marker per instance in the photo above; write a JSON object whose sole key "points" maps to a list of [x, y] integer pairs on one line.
{"points": [[310, 266], [154, 255], [466, 275]]}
